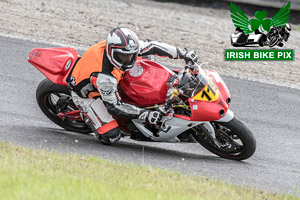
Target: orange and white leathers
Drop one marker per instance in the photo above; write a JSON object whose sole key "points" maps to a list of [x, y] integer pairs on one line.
{"points": [[90, 107], [96, 112]]}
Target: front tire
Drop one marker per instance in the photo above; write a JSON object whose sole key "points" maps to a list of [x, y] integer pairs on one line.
{"points": [[235, 140], [47, 95], [273, 41]]}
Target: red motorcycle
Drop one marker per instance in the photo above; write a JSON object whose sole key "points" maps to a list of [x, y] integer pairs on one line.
{"points": [[195, 101]]}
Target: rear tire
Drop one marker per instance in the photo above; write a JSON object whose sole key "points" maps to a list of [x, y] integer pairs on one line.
{"points": [[262, 40], [46, 93], [237, 140]]}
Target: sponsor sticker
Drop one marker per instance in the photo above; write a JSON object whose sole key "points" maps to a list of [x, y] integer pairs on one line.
{"points": [[195, 107], [68, 64]]}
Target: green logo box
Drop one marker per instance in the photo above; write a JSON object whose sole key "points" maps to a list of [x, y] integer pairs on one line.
{"points": [[259, 54]]}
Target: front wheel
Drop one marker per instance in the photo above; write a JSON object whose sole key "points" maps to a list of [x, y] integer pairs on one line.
{"points": [[233, 140], [273, 41], [55, 99]]}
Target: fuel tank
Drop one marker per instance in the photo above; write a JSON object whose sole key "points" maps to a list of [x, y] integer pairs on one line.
{"points": [[145, 84]]}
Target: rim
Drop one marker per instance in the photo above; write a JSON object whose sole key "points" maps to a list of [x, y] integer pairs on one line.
{"points": [[228, 141], [50, 102]]}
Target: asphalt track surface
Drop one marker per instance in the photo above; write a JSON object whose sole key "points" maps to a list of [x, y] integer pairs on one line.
{"points": [[271, 113]]}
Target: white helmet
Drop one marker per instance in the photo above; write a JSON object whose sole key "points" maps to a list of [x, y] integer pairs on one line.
{"points": [[288, 27], [122, 48]]}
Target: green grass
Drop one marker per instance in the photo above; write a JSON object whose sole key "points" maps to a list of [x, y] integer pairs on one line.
{"points": [[37, 174]]}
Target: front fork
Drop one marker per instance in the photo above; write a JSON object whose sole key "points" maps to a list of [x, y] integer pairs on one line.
{"points": [[209, 131]]}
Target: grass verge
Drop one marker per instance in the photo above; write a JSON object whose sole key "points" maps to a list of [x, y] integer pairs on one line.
{"points": [[38, 174]]}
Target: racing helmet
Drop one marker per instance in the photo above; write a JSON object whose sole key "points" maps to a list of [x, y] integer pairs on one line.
{"points": [[288, 27], [122, 48]]}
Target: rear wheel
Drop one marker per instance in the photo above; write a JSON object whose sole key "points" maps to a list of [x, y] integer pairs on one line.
{"points": [[262, 40], [233, 140], [54, 99]]}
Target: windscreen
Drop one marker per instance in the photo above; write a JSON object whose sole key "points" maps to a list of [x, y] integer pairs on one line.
{"points": [[190, 84]]}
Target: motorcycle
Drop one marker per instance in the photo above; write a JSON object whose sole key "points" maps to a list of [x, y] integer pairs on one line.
{"points": [[277, 35], [194, 101]]}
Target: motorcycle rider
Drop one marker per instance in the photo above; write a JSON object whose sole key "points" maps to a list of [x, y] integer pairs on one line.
{"points": [[285, 33], [96, 74]]}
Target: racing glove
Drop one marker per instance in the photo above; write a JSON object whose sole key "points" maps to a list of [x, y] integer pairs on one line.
{"points": [[151, 116], [190, 56]]}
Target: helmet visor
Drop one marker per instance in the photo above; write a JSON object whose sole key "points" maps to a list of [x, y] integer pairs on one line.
{"points": [[125, 59]]}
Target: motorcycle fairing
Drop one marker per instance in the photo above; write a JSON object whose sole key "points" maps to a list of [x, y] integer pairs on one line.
{"points": [[209, 92], [54, 63], [205, 110], [227, 117], [222, 88], [177, 126], [147, 87], [202, 111]]}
